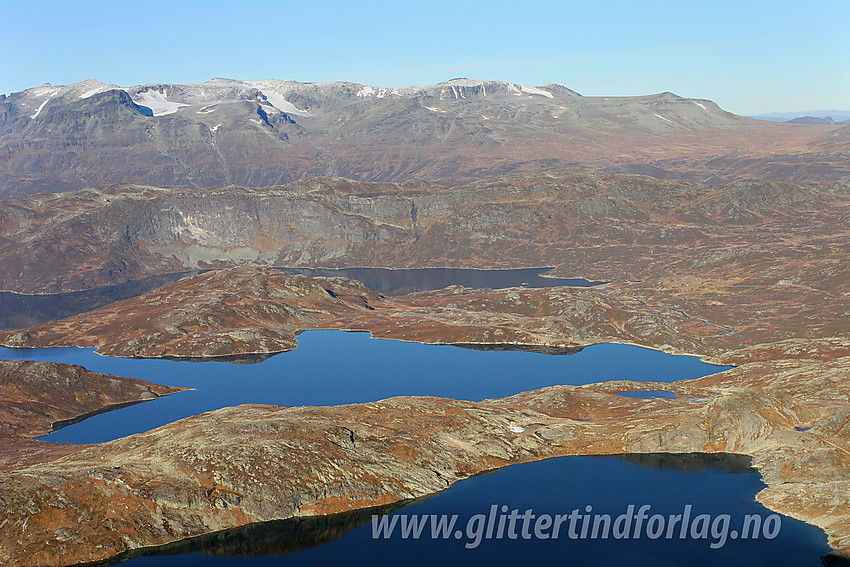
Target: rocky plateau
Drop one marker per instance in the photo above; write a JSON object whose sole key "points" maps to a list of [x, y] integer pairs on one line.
{"points": [[601, 226], [749, 273], [255, 463], [262, 133]]}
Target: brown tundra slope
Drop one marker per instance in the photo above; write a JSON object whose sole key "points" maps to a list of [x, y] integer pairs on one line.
{"points": [[260, 133], [249, 311], [750, 274], [39, 397], [248, 464], [238, 312], [597, 225], [255, 463]]}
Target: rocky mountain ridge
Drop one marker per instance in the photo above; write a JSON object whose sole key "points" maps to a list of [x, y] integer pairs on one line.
{"points": [[588, 224], [260, 133], [254, 463]]}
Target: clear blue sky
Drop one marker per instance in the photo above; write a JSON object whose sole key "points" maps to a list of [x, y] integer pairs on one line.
{"points": [[749, 56]]}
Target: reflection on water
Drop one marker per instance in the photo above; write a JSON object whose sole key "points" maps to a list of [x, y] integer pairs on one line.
{"points": [[692, 462], [334, 367], [18, 310], [554, 486], [648, 394], [280, 537], [23, 310], [398, 282]]}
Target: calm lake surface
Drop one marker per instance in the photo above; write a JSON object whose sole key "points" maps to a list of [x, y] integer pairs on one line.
{"points": [[335, 367], [401, 281], [711, 484], [648, 394], [19, 310]]}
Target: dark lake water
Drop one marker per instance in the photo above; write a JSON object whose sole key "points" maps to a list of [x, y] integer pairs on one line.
{"points": [[648, 394], [401, 281], [335, 367], [19, 310], [710, 484]]}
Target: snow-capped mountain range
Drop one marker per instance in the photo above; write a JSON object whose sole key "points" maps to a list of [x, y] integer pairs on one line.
{"points": [[161, 99], [265, 132]]}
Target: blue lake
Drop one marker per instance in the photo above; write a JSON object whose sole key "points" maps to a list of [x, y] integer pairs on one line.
{"points": [[19, 310], [710, 484], [408, 280], [335, 367], [648, 394]]}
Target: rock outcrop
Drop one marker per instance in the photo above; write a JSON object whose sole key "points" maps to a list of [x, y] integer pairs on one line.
{"points": [[38, 397], [258, 133], [596, 225], [255, 463]]}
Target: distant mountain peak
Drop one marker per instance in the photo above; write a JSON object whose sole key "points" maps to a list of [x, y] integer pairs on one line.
{"points": [[227, 131], [811, 120], [839, 116]]}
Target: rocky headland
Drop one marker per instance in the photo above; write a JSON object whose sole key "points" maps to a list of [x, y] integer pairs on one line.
{"points": [[747, 274], [596, 225], [256, 463]]}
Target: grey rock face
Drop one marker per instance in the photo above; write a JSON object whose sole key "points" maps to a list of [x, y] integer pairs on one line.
{"points": [[260, 133], [114, 234]]}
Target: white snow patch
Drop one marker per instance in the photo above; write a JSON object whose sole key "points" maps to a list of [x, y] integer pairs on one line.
{"points": [[44, 90], [434, 109], [455, 92], [702, 106], [535, 90], [215, 128], [667, 119], [268, 107], [516, 429], [279, 102], [269, 90], [38, 110], [97, 90], [207, 109], [158, 102], [372, 91]]}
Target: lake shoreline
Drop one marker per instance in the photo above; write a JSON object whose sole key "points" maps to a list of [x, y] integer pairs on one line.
{"points": [[630, 424]]}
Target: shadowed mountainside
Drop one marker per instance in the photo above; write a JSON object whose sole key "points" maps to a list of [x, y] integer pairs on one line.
{"points": [[260, 133], [596, 225], [250, 463], [752, 274]]}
